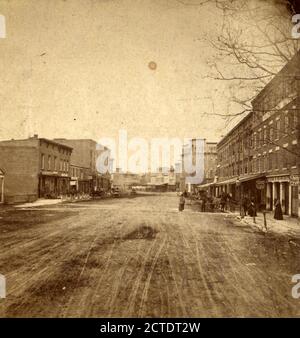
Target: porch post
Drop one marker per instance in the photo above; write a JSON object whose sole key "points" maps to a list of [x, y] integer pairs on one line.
{"points": [[269, 197], [290, 199], [2, 190], [282, 197]]}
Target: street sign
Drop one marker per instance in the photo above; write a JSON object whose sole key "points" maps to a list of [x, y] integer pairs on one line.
{"points": [[260, 184]]}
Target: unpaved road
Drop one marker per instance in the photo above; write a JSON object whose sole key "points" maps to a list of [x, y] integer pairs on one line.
{"points": [[140, 257]]}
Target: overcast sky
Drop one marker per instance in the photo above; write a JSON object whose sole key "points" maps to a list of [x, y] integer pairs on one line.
{"points": [[80, 69]]}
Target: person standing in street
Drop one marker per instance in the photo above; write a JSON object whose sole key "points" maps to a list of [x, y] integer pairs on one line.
{"points": [[181, 202]]}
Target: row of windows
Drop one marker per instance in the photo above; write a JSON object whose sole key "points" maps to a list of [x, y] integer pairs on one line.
{"points": [[271, 161], [277, 129], [60, 149], [53, 163], [282, 91], [273, 131], [77, 172]]}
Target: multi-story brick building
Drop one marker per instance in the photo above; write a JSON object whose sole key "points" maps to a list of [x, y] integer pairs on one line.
{"points": [[210, 161], [234, 159], [85, 178], [260, 156], [33, 168], [276, 137]]}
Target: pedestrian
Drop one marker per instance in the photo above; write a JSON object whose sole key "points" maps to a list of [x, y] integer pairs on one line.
{"points": [[245, 204], [252, 208], [278, 210], [181, 202], [223, 201]]}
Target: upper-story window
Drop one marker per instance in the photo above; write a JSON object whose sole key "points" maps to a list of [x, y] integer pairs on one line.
{"points": [[42, 161], [271, 132], [49, 162], [55, 163], [286, 124]]}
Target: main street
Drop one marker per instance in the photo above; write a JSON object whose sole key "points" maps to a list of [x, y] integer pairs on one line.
{"points": [[141, 257]]}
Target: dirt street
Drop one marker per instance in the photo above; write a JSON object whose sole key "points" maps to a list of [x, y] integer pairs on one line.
{"points": [[140, 257]]}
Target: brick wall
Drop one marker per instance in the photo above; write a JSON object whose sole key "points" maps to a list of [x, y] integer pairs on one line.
{"points": [[20, 165]]}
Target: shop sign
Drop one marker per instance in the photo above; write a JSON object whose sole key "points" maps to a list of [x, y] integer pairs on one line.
{"points": [[279, 179]]}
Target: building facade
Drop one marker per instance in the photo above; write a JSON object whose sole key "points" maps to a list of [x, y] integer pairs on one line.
{"points": [[210, 161], [260, 158], [85, 178], [276, 137], [125, 180], [33, 168]]}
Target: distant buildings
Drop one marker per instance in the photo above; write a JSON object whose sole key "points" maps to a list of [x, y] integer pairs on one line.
{"points": [[202, 156], [163, 180], [125, 180]]}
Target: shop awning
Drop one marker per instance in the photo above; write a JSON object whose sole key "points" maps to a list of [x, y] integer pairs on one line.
{"points": [[231, 181], [205, 185], [251, 177]]}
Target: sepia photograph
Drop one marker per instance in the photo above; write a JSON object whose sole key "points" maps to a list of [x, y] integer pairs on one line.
{"points": [[149, 161]]}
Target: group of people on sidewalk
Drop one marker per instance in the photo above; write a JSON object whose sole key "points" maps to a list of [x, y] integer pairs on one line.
{"points": [[248, 206]]}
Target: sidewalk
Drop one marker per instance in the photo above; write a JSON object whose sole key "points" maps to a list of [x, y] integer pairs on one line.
{"points": [[39, 202], [288, 226]]}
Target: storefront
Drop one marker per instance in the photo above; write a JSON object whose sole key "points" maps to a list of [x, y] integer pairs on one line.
{"points": [[295, 195], [53, 185], [286, 189], [253, 187], [1, 186]]}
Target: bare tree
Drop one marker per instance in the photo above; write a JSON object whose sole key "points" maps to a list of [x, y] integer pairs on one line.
{"points": [[252, 45]]}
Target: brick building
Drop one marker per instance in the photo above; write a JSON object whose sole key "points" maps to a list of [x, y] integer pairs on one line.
{"points": [[33, 168], [85, 178], [210, 161], [276, 138], [260, 156]]}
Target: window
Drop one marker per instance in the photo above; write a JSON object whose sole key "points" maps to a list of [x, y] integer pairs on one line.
{"points": [[49, 162], [271, 133], [270, 161], [275, 157], [277, 130], [55, 163], [265, 136], [294, 156], [261, 138], [286, 124], [43, 161], [295, 122]]}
